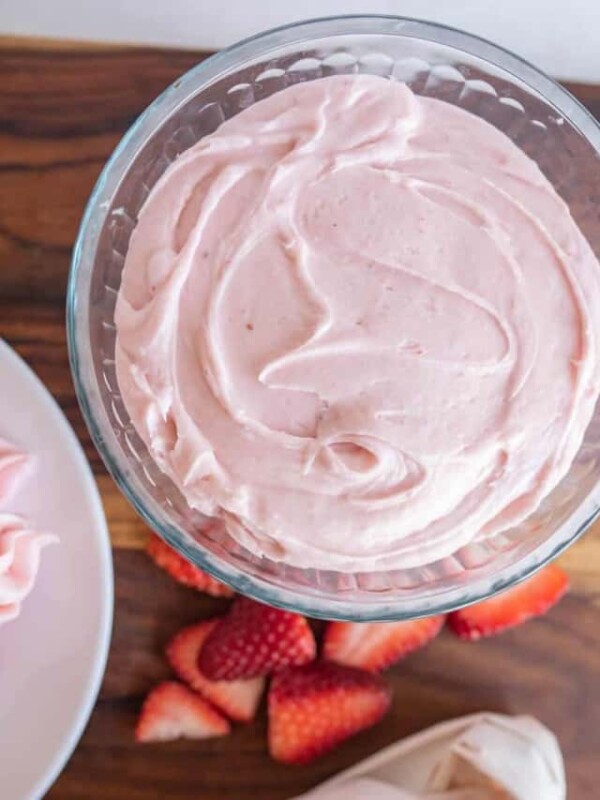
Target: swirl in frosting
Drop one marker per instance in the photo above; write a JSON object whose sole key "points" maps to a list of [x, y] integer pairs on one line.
{"points": [[20, 550], [20, 545], [359, 327]]}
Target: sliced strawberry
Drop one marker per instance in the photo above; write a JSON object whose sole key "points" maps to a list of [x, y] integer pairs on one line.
{"points": [[238, 699], [254, 639], [512, 607], [182, 571], [315, 707], [171, 711], [376, 645]]}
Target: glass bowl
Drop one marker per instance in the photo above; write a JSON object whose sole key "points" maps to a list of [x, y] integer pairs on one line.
{"points": [[534, 111]]}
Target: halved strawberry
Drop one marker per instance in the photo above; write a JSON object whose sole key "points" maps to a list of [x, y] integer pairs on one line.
{"points": [[238, 699], [512, 607], [376, 645], [254, 639], [171, 711], [182, 571], [315, 707]]}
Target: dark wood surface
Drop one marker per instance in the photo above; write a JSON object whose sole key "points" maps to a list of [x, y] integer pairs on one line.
{"points": [[62, 110]]}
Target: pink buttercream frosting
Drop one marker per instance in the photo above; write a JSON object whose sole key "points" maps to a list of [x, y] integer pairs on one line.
{"points": [[20, 549], [359, 327], [20, 545]]}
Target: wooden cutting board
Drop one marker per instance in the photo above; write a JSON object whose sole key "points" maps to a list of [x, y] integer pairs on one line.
{"points": [[62, 110]]}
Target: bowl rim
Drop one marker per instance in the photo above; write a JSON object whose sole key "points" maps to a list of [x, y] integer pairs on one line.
{"points": [[391, 606]]}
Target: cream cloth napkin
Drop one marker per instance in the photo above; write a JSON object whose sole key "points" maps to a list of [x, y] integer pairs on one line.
{"points": [[489, 757]]}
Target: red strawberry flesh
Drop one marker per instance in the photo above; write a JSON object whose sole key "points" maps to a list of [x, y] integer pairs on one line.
{"points": [[376, 645], [533, 597], [171, 711], [315, 707], [237, 699], [255, 639], [183, 571]]}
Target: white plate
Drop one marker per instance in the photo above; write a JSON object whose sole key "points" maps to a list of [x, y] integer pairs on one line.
{"points": [[52, 658]]}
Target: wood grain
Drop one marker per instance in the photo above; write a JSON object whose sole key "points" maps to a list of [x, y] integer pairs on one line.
{"points": [[548, 668], [64, 107]]}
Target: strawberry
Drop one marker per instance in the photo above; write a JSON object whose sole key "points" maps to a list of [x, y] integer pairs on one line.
{"points": [[172, 711], [315, 707], [237, 699], [183, 571], [512, 607], [254, 639], [376, 645]]}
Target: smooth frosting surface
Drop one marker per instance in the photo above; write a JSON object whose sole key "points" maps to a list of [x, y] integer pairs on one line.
{"points": [[359, 327], [20, 545]]}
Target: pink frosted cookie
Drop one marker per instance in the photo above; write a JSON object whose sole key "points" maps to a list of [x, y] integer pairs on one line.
{"points": [[20, 545], [20, 549]]}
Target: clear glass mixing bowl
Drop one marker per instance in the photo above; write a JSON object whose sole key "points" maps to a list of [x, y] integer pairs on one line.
{"points": [[534, 111]]}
